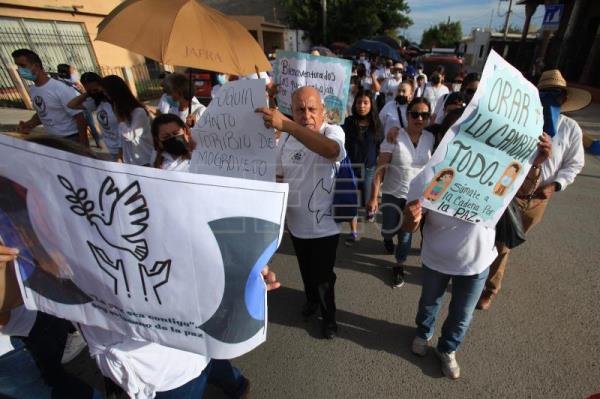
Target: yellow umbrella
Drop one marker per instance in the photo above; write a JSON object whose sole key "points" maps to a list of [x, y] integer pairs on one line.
{"points": [[185, 33]]}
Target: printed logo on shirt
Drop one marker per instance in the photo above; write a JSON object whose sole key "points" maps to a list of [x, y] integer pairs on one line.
{"points": [[298, 156], [102, 117], [40, 106]]}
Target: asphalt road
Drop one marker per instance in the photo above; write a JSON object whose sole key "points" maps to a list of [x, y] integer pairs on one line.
{"points": [[541, 338]]}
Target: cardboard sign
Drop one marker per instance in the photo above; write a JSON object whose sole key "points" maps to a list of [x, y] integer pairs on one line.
{"points": [[484, 157], [168, 257], [331, 76], [231, 138]]}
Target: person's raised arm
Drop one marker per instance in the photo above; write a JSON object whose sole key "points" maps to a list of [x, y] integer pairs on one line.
{"points": [[315, 142], [77, 102]]}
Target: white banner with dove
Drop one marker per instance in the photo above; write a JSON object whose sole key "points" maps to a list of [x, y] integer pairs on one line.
{"points": [[167, 257]]}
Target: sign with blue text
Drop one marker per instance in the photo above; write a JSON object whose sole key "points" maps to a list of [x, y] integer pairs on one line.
{"points": [[331, 76], [168, 257], [552, 16], [484, 157]]}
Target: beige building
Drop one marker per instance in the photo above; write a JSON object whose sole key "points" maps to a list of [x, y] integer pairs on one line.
{"points": [[61, 29]]}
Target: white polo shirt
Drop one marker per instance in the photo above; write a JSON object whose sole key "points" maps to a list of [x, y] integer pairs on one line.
{"points": [[311, 180], [137, 138], [388, 116]]}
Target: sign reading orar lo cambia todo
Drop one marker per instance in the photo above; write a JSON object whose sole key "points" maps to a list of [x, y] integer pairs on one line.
{"points": [[231, 138], [329, 75], [485, 156]]}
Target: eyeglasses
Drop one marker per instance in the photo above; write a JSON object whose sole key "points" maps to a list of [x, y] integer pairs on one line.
{"points": [[416, 114]]}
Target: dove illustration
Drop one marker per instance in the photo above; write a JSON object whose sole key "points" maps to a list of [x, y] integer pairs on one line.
{"points": [[127, 209], [313, 202]]}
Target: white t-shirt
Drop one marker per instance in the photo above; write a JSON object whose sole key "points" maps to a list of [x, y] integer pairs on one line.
{"points": [[137, 138], [141, 368], [169, 163], [452, 246], [50, 102], [407, 161], [390, 89], [388, 116], [438, 109], [366, 83], [163, 105], [108, 122], [432, 94], [311, 180], [197, 110]]}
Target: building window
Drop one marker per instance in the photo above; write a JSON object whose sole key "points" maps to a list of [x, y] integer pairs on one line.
{"points": [[481, 48]]}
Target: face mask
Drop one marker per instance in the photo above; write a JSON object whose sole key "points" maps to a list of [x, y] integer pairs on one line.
{"points": [[75, 77], [26, 73], [176, 146], [551, 111], [402, 100], [171, 101], [97, 97], [362, 58], [456, 87], [398, 75], [222, 79]]}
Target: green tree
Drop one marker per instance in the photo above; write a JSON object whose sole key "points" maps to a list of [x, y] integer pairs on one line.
{"points": [[444, 34], [347, 20]]}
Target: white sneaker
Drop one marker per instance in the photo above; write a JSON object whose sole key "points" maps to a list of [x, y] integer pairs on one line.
{"points": [[74, 345], [450, 366], [420, 346]]}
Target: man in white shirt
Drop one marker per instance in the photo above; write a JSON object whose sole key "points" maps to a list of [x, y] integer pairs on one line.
{"points": [[394, 112], [307, 161], [390, 85], [50, 98], [554, 174]]}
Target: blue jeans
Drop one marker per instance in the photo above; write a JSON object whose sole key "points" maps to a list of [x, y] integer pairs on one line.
{"points": [[466, 291], [391, 209], [368, 183], [218, 372]]}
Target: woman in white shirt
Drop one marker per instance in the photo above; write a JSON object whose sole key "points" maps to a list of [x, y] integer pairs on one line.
{"points": [[134, 122], [435, 90], [401, 162], [177, 87]]}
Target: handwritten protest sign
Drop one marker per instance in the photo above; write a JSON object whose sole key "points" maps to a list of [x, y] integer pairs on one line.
{"points": [[485, 156], [331, 76], [231, 138], [168, 257]]}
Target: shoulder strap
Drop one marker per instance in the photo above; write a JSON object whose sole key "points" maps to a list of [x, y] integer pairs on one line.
{"points": [[400, 115]]}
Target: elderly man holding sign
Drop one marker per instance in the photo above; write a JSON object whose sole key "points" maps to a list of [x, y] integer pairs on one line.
{"points": [[307, 162]]}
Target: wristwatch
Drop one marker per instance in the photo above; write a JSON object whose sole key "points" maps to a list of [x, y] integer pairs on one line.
{"points": [[557, 186]]}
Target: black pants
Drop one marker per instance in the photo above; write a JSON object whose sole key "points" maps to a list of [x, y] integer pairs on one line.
{"points": [[316, 257], [46, 343]]}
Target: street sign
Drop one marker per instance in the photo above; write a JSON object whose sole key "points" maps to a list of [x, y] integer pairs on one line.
{"points": [[552, 16]]}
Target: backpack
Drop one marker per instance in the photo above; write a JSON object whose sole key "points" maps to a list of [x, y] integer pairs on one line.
{"points": [[345, 194]]}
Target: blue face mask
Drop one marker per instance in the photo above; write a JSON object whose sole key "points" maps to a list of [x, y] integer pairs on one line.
{"points": [[549, 99], [171, 101], [26, 73], [221, 79]]}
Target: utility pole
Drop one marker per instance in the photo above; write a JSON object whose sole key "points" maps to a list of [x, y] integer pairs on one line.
{"points": [[507, 20], [324, 6]]}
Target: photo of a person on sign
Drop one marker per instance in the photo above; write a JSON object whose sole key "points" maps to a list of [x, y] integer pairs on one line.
{"points": [[439, 184], [508, 178]]}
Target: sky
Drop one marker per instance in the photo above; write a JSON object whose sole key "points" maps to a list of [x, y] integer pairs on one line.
{"points": [[471, 14]]}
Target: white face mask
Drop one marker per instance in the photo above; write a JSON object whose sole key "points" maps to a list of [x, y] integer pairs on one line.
{"points": [[456, 87], [398, 75]]}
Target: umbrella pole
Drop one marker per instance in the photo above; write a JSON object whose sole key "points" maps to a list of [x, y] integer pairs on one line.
{"points": [[191, 95]]}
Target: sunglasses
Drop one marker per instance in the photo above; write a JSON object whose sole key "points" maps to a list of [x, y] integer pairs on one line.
{"points": [[416, 114]]}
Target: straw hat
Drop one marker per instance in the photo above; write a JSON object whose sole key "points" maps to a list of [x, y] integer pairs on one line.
{"points": [[576, 98]]}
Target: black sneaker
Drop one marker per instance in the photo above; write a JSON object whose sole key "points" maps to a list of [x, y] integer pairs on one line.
{"points": [[309, 309], [389, 246], [351, 240], [398, 272], [329, 329]]}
